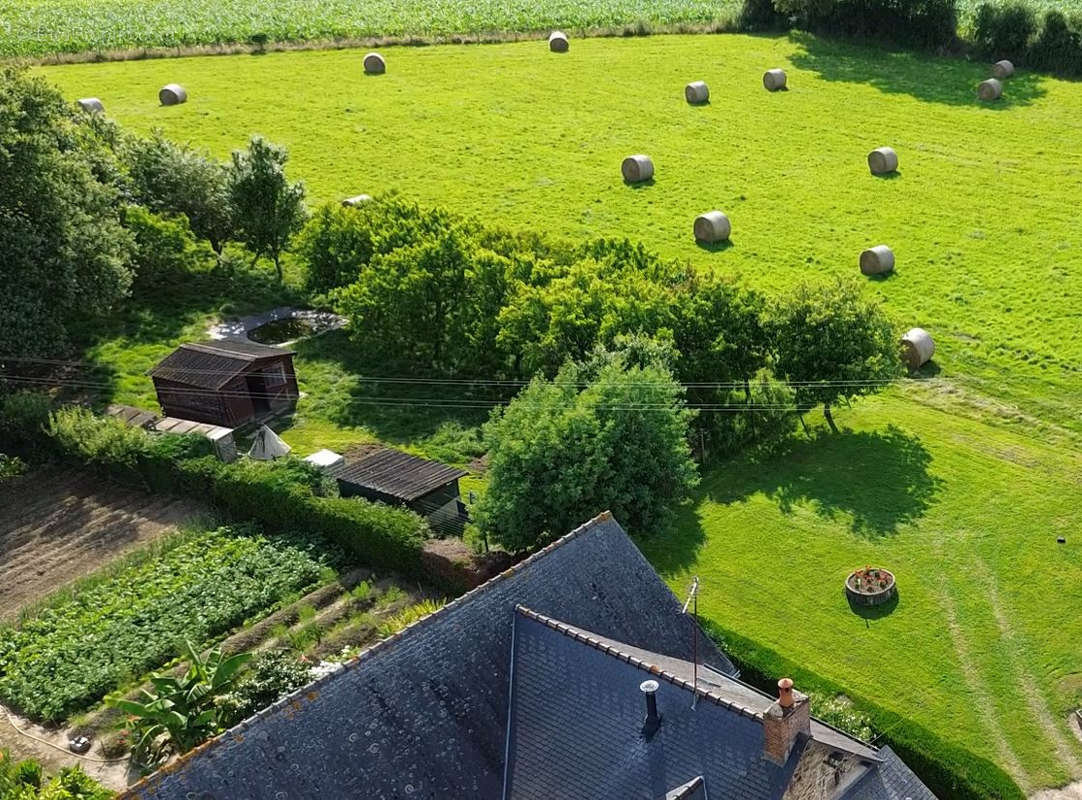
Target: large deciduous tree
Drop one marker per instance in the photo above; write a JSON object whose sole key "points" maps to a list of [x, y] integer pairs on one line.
{"points": [[64, 254], [601, 436], [170, 178], [267, 209], [833, 343]]}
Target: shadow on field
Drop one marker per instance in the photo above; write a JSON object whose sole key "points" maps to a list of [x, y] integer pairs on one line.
{"points": [[390, 400], [878, 479], [938, 80], [875, 612]]}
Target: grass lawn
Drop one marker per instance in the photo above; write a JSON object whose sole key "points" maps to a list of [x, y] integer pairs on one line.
{"points": [[982, 215], [983, 645]]}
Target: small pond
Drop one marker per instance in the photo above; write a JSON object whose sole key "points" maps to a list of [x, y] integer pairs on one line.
{"points": [[282, 330]]}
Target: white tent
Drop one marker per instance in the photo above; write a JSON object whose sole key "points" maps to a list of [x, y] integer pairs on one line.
{"points": [[267, 446]]}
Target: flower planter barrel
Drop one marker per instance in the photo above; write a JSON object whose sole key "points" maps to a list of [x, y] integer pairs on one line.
{"points": [[870, 591]]}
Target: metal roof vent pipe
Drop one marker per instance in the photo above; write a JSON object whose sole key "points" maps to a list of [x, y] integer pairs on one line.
{"points": [[653, 719]]}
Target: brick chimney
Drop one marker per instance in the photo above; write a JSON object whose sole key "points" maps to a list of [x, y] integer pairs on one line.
{"points": [[787, 717]]}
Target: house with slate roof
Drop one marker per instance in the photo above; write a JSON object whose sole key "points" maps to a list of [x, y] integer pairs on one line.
{"points": [[568, 676]]}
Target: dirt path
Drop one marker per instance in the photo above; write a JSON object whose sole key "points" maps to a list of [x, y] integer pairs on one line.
{"points": [[57, 526], [1007, 758]]}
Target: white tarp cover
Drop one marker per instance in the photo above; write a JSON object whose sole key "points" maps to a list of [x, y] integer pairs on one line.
{"points": [[267, 446]]}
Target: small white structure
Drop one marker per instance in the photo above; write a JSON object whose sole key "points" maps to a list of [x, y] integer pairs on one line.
{"points": [[172, 94], [774, 79], [637, 169], [326, 459], [877, 260], [91, 105], [268, 446], [917, 348], [1002, 69], [357, 200], [882, 161], [990, 90], [374, 64], [712, 227], [558, 42], [697, 92]]}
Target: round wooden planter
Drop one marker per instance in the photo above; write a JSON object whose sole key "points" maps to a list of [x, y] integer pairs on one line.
{"points": [[870, 586]]}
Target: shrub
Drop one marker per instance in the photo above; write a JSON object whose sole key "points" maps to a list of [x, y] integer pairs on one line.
{"points": [[920, 23], [23, 780], [164, 247], [760, 15], [270, 676], [1004, 31], [947, 769], [23, 419], [97, 440], [1058, 47], [11, 467]]}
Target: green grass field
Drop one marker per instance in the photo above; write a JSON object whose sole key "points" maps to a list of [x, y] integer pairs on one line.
{"points": [[983, 645], [962, 498], [982, 215]]}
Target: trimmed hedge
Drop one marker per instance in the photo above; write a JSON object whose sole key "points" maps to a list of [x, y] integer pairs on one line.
{"points": [[949, 770], [282, 496]]}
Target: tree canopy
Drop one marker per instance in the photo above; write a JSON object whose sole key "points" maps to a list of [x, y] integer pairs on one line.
{"points": [[602, 436]]}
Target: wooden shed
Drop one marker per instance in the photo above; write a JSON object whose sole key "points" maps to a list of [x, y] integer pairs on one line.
{"points": [[396, 478], [229, 383]]}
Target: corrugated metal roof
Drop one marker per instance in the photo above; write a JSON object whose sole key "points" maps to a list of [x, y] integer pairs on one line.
{"points": [[397, 474], [211, 365]]}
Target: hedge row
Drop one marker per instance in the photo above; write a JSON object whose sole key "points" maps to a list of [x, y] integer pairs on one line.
{"points": [[946, 768], [1011, 30], [282, 496]]}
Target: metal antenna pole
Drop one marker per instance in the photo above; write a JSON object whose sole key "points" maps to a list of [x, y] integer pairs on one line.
{"points": [[693, 601]]}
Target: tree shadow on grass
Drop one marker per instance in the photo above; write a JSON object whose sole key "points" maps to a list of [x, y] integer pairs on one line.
{"points": [[950, 81], [879, 480], [355, 389], [675, 549]]}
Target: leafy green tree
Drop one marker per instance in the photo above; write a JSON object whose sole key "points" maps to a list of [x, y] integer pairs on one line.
{"points": [[23, 780], [182, 712], [267, 209], [164, 247], [170, 179], [832, 343], [64, 254], [564, 450]]}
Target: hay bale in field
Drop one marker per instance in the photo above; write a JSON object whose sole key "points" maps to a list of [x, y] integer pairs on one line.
{"points": [[91, 105], [882, 161], [697, 92], [877, 260], [637, 169], [774, 79], [990, 90], [712, 227], [917, 348], [1002, 69], [374, 64], [357, 200], [558, 42], [172, 94]]}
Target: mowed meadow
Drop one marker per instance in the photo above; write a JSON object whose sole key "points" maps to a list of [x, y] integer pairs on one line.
{"points": [[982, 214], [960, 482]]}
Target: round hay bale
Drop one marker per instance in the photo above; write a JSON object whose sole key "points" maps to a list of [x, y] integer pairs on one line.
{"points": [[712, 227], [637, 169], [357, 200], [990, 90], [172, 94], [91, 105], [882, 161], [697, 92], [558, 42], [877, 260], [774, 79], [917, 348], [1002, 69], [374, 64]]}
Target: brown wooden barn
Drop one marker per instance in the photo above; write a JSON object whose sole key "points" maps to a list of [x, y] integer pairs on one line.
{"points": [[227, 383]]}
